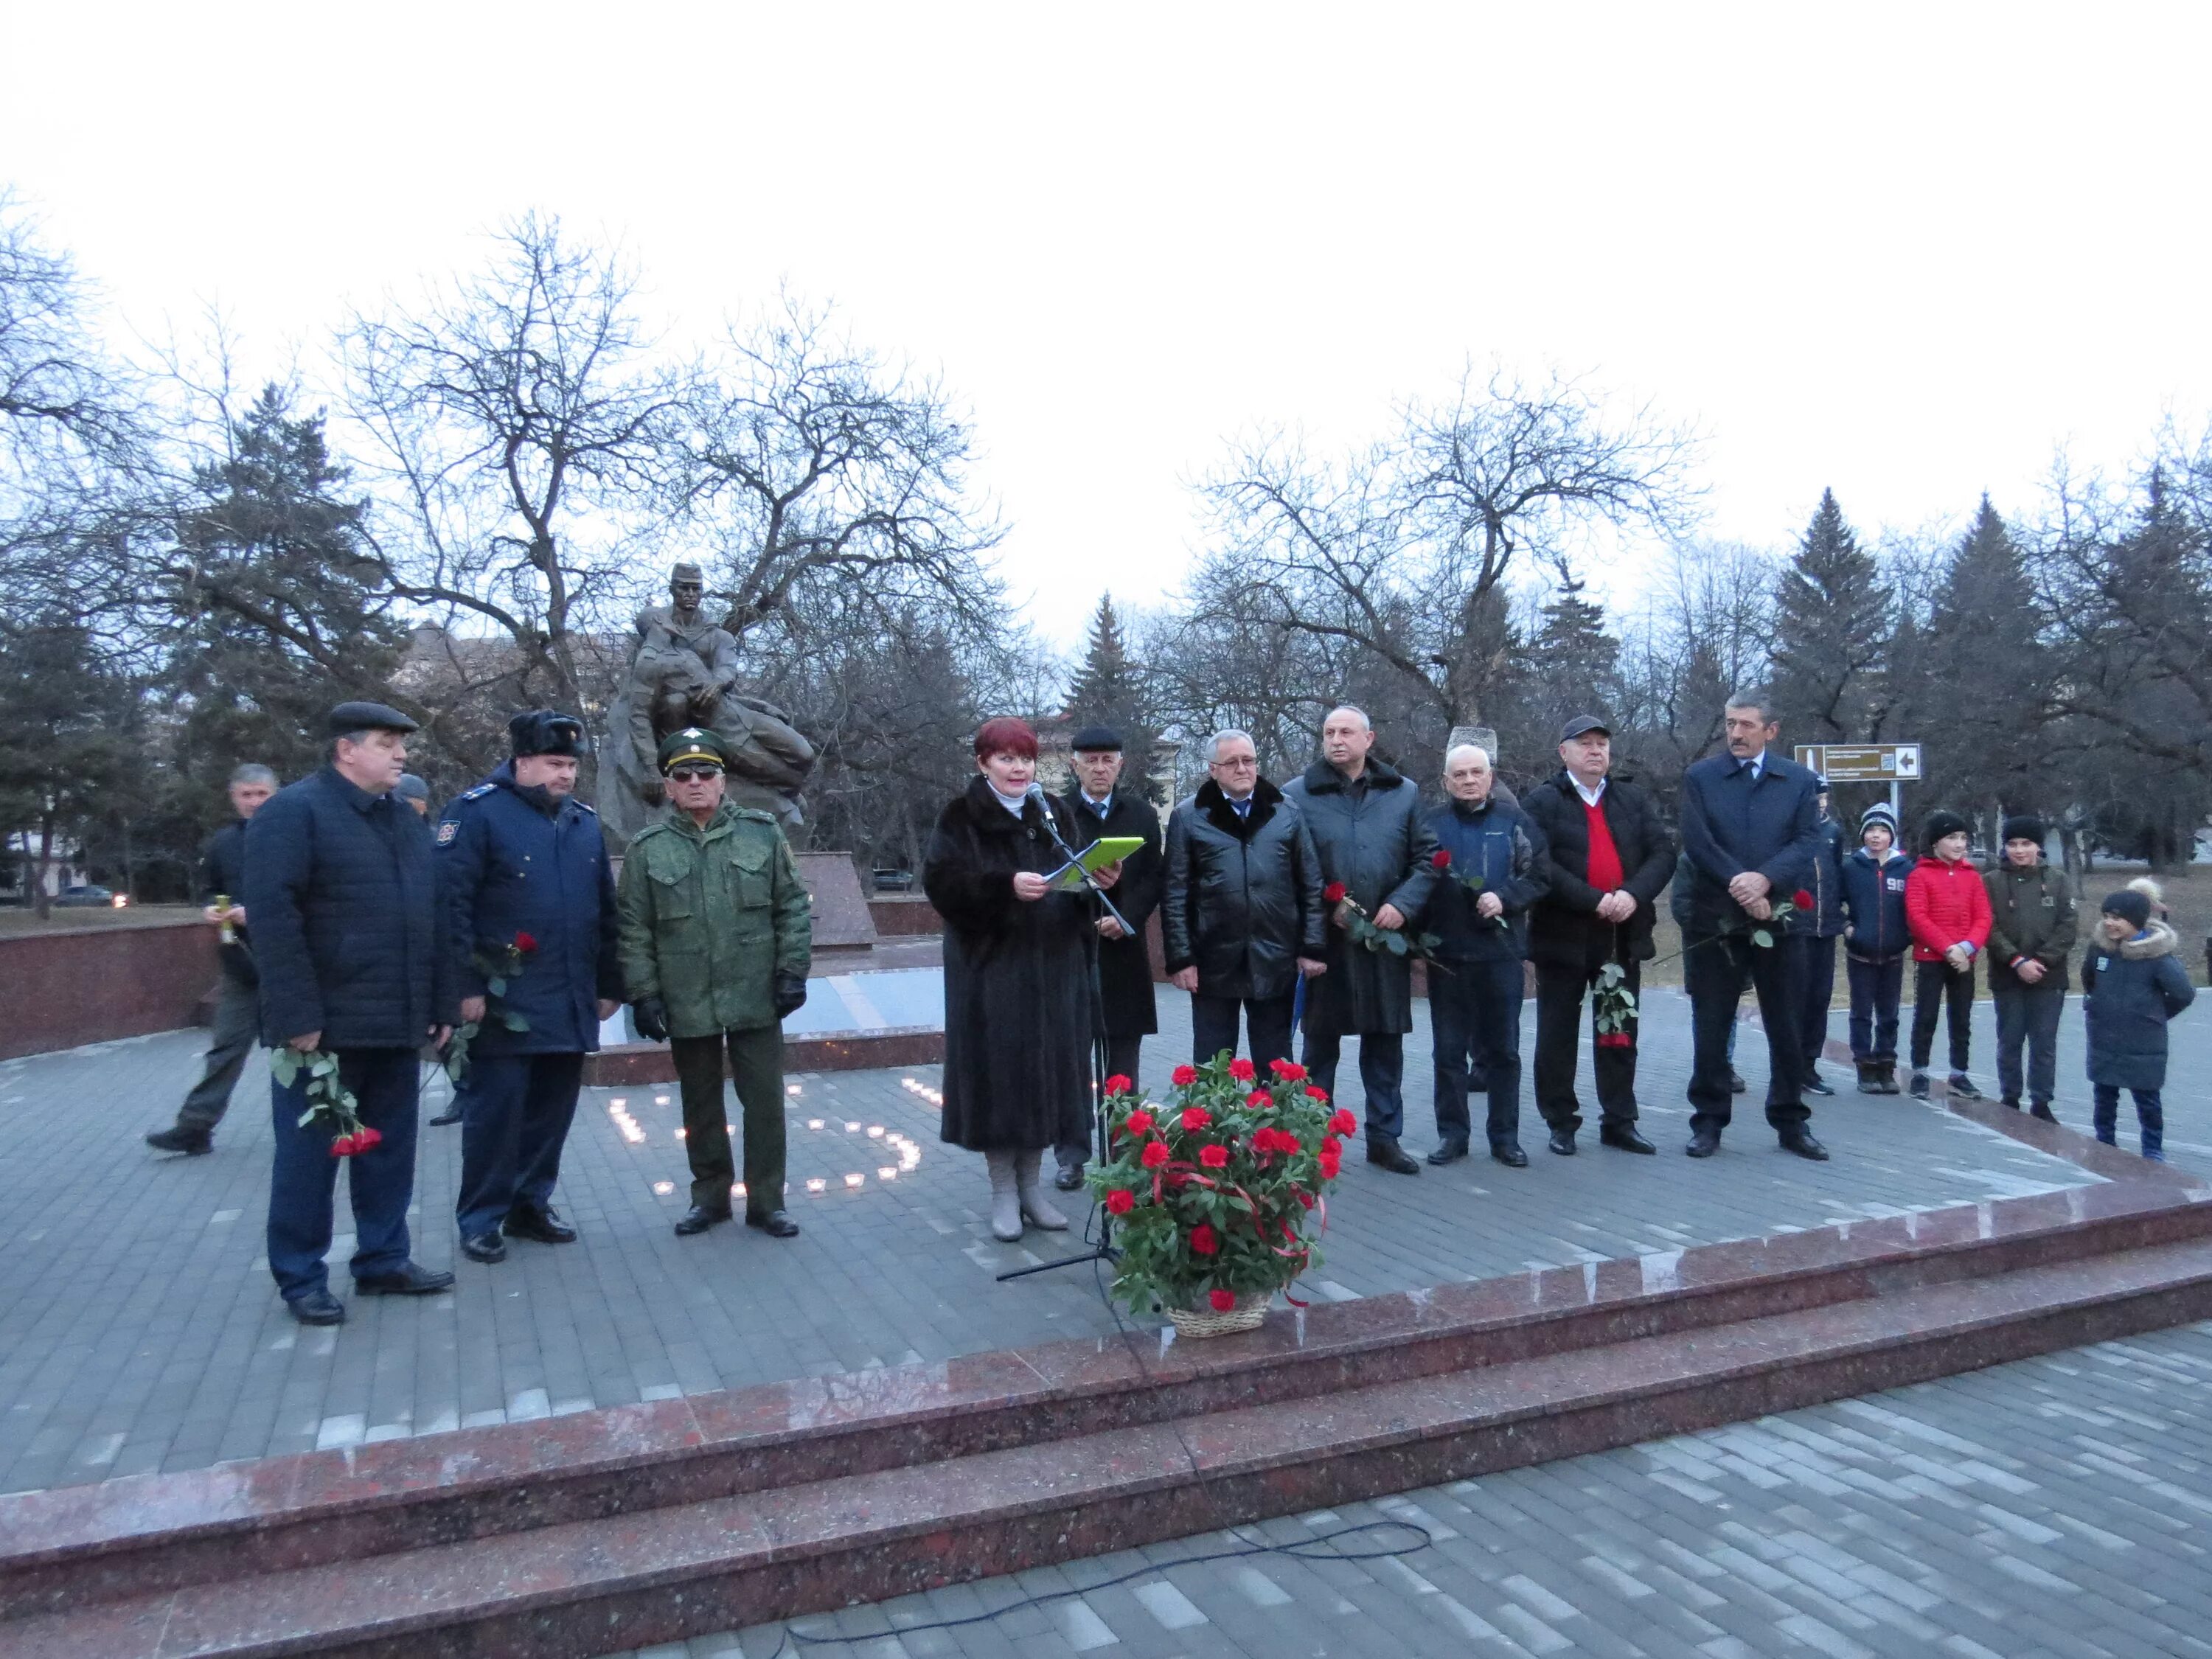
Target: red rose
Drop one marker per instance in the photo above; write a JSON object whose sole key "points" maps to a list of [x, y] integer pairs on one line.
{"points": [[1289, 1070], [1120, 1201], [1341, 1122], [1305, 1199], [1154, 1155], [1241, 1069], [1184, 1076], [525, 943], [1204, 1240], [1117, 1085], [364, 1139], [1440, 859], [1259, 1100], [1333, 893], [1801, 899], [1331, 1146], [1214, 1157], [1314, 1091], [1137, 1123], [1222, 1301], [1331, 1162], [1195, 1118], [1615, 1040], [342, 1146]]}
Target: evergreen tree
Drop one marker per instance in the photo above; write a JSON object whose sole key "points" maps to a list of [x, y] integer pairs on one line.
{"points": [[1985, 643], [1108, 688], [1832, 624], [1572, 667]]}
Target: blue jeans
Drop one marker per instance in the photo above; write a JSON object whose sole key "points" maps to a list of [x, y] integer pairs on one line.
{"points": [[303, 1182], [2150, 1113], [1382, 1075], [1474, 1017], [1877, 987], [516, 1113]]}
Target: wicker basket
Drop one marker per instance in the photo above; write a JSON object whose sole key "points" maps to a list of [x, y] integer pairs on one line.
{"points": [[1251, 1308]]}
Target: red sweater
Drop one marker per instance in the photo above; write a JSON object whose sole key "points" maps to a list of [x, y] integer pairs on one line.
{"points": [[1946, 904]]}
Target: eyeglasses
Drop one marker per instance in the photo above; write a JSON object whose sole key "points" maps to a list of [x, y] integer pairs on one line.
{"points": [[693, 774], [1236, 763]]}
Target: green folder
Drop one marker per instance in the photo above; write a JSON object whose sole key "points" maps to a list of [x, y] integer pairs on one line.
{"points": [[1107, 849]]}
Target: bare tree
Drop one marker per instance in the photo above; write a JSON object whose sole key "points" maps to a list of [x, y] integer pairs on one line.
{"points": [[1404, 550], [520, 429]]}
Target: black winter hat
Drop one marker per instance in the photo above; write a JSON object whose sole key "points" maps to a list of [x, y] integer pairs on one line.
{"points": [[2130, 906], [545, 731], [2027, 827], [1941, 824]]}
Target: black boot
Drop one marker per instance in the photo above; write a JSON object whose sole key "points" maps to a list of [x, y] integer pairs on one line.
{"points": [[1870, 1080]]}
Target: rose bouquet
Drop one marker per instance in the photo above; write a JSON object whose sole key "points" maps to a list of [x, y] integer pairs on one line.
{"points": [[1218, 1195], [497, 970], [328, 1098]]}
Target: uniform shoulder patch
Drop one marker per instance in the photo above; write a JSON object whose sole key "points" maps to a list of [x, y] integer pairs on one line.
{"points": [[448, 829], [480, 790], [586, 806], [753, 814]]}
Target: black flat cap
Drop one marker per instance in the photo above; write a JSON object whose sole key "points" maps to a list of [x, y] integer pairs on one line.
{"points": [[1099, 739], [545, 731], [1582, 725], [349, 718]]}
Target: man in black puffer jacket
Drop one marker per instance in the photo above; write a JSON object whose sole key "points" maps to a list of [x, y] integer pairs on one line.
{"points": [[343, 897], [1609, 859]]}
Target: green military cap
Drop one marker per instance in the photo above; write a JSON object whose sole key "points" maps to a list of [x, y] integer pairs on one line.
{"points": [[693, 744]]}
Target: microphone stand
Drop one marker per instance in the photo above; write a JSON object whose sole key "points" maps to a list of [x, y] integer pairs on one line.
{"points": [[1103, 1249]]}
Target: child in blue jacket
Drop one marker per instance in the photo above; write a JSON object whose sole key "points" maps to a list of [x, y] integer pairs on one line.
{"points": [[2135, 983], [1876, 942]]}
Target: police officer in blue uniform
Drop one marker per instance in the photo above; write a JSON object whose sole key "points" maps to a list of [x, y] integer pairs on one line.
{"points": [[528, 898]]}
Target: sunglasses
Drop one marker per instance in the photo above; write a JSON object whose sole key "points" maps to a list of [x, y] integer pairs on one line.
{"points": [[693, 774]]}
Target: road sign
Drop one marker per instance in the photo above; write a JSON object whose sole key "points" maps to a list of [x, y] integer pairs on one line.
{"points": [[1863, 763]]}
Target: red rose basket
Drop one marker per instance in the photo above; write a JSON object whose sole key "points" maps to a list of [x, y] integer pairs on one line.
{"points": [[1219, 1196]]}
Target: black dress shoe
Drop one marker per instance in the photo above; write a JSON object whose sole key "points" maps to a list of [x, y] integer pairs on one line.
{"points": [[775, 1224], [1735, 1081], [451, 1114], [182, 1140], [1509, 1154], [2041, 1108], [484, 1246], [1563, 1142], [1450, 1150], [698, 1220], [1069, 1180], [317, 1308], [1817, 1085], [413, 1280], [543, 1226], [1391, 1155], [1624, 1137], [1703, 1143], [1800, 1142]]}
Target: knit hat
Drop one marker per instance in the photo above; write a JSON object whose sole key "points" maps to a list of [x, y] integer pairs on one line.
{"points": [[2027, 827], [1941, 824], [1878, 813], [2130, 906]]}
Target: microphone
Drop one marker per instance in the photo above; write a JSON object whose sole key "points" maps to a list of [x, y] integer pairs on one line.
{"points": [[1035, 792]]}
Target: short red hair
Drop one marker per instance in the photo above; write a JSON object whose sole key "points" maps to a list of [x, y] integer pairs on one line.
{"points": [[1005, 736]]}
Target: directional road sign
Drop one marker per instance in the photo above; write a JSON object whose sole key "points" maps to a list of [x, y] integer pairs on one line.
{"points": [[1863, 763]]}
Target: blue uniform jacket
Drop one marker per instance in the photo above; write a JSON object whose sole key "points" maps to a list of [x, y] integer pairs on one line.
{"points": [[513, 860], [1731, 824], [1503, 847], [1873, 905], [1825, 881], [343, 900]]}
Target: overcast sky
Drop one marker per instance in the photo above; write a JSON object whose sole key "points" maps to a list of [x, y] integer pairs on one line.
{"points": [[1905, 251]]}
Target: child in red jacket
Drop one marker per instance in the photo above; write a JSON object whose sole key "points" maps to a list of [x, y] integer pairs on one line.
{"points": [[1948, 910]]}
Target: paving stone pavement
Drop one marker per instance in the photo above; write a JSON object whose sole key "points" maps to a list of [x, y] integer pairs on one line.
{"points": [[2049, 1509], [139, 1330]]}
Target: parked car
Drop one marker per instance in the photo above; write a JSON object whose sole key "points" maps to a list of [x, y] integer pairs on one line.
{"points": [[84, 894], [893, 881]]}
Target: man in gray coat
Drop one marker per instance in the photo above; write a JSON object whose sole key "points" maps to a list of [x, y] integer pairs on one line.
{"points": [[1368, 826]]}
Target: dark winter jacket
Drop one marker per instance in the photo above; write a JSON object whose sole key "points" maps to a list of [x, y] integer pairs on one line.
{"points": [[1017, 977], [340, 888], [1501, 848], [1371, 837], [1825, 881], [2031, 914], [1874, 906], [1731, 824], [1242, 902], [1564, 930], [1124, 965], [1946, 904], [2135, 987], [222, 869], [511, 862]]}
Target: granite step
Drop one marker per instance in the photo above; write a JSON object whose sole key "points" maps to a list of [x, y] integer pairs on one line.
{"points": [[584, 1588], [77, 1546]]}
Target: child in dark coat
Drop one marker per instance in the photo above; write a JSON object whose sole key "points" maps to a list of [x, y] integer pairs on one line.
{"points": [[1876, 941], [2136, 984]]}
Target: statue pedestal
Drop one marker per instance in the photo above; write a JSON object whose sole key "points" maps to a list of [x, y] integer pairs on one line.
{"points": [[842, 921]]}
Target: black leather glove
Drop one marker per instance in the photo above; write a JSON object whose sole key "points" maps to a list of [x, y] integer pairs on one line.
{"points": [[650, 1014], [790, 994]]}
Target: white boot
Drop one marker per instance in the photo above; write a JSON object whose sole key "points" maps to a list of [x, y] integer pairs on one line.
{"points": [[1006, 1198], [1035, 1209]]}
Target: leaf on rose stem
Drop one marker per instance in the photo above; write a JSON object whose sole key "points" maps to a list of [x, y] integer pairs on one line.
{"points": [[512, 1021], [309, 1115], [495, 988], [1762, 938], [284, 1066], [323, 1065], [1394, 944]]}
